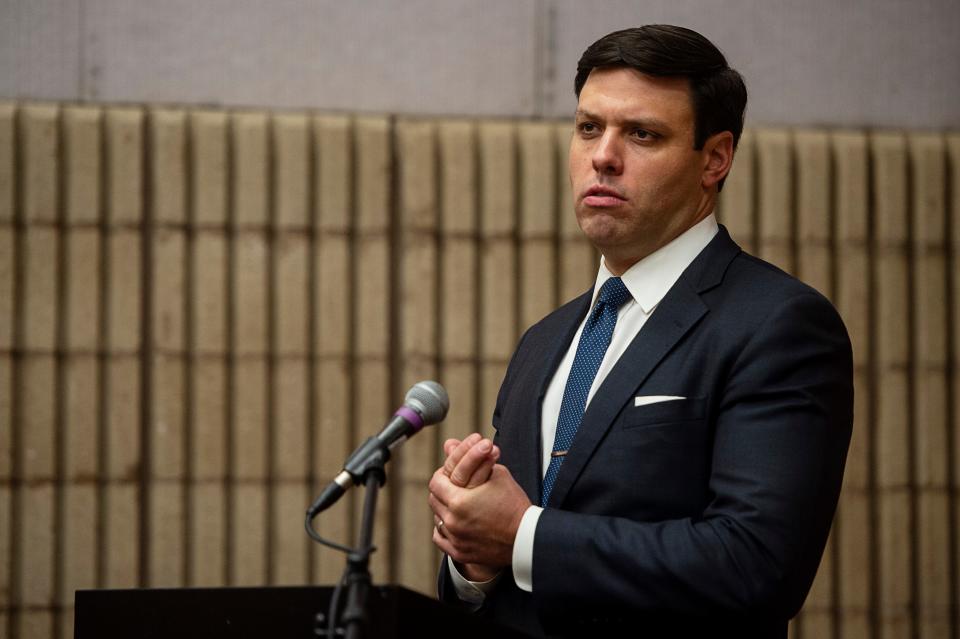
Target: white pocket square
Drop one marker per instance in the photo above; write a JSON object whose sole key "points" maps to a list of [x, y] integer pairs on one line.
{"points": [[643, 400]]}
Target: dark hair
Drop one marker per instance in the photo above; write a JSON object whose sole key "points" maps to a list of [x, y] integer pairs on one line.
{"points": [[717, 92]]}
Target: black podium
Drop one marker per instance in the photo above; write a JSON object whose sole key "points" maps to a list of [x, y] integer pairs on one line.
{"points": [[265, 613]]}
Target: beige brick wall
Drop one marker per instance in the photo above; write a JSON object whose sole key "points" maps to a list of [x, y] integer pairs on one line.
{"points": [[202, 312]]}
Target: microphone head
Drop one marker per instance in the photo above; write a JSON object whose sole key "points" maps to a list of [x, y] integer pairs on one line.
{"points": [[430, 400]]}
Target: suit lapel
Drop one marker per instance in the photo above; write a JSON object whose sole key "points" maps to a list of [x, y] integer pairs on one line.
{"points": [[677, 314]]}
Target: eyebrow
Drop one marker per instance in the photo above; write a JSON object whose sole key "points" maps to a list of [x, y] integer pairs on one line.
{"points": [[643, 123]]}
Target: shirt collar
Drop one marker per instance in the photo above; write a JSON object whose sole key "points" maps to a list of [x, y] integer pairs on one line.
{"points": [[649, 279]]}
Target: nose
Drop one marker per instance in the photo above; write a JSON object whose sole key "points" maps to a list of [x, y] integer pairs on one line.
{"points": [[608, 154]]}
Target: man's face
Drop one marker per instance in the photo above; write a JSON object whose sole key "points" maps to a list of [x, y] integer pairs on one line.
{"points": [[636, 178]]}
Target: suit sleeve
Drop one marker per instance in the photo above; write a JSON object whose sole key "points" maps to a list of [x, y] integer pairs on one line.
{"points": [[781, 434]]}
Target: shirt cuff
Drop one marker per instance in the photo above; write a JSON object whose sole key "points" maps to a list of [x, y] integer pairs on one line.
{"points": [[470, 592], [523, 549]]}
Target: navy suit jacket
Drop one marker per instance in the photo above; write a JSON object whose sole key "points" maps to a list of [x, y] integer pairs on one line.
{"points": [[702, 515]]}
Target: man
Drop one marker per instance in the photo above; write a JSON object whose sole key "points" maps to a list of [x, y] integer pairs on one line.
{"points": [[670, 444]]}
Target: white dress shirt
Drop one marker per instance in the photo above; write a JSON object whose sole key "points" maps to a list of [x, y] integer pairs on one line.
{"points": [[648, 282]]}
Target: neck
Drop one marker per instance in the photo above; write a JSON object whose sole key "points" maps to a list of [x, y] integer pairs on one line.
{"points": [[618, 264]]}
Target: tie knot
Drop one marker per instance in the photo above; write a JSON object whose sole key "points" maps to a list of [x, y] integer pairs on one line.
{"points": [[613, 293]]}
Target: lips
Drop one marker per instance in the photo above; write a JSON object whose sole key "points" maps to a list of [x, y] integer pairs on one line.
{"points": [[602, 197]]}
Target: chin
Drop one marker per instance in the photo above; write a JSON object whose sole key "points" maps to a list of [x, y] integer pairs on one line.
{"points": [[600, 229]]}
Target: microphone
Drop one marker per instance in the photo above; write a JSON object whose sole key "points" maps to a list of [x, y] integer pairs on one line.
{"points": [[426, 403]]}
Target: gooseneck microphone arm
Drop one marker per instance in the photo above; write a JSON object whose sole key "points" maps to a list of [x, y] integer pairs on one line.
{"points": [[370, 457]]}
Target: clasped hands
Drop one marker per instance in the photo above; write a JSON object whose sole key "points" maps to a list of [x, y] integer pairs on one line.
{"points": [[477, 507]]}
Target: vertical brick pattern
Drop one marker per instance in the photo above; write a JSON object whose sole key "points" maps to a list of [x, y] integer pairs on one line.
{"points": [[79, 443], [166, 355], [8, 115], [537, 222], [853, 526], [289, 296], [953, 264], [498, 256], [458, 272], [207, 349], [814, 264], [417, 560], [578, 260], [373, 301], [202, 312], [8, 237], [36, 383], [738, 206], [775, 218], [892, 357], [122, 462], [929, 375], [332, 327], [248, 282]]}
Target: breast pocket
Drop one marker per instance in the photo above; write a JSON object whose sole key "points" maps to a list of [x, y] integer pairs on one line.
{"points": [[690, 409], [662, 452]]}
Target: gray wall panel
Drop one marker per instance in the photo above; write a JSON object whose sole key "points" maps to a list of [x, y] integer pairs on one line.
{"points": [[40, 52], [417, 56], [878, 63]]}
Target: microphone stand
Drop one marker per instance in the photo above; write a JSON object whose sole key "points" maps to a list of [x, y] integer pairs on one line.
{"points": [[425, 403], [357, 576]]}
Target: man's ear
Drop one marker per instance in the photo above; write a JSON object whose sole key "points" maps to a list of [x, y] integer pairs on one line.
{"points": [[718, 158]]}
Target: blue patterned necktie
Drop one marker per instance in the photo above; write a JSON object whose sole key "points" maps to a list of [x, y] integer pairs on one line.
{"points": [[590, 351]]}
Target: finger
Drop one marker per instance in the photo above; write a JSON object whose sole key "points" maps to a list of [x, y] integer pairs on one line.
{"points": [[444, 544], [482, 474], [457, 452], [439, 525], [454, 458], [449, 446], [440, 486], [440, 510], [471, 461]]}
